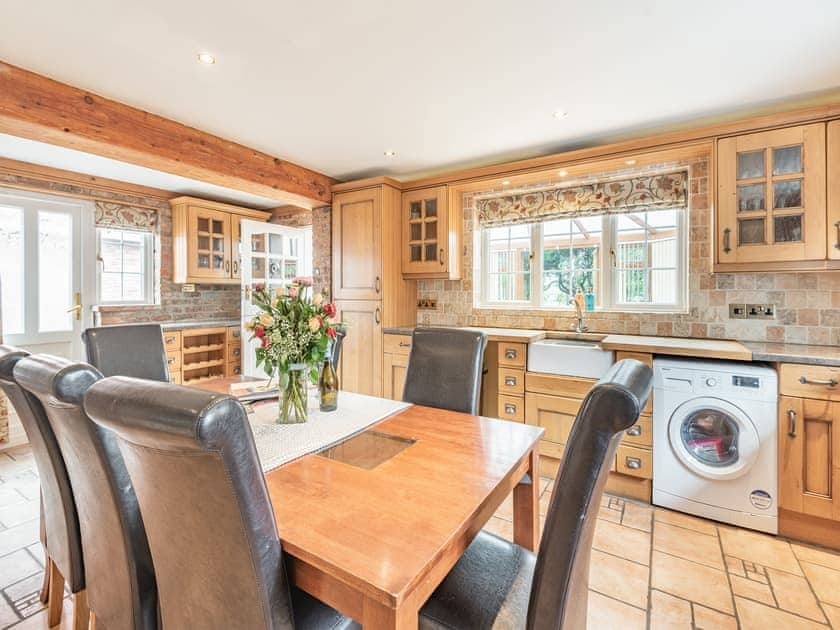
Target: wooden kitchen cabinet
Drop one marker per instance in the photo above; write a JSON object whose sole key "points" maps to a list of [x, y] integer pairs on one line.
{"points": [[361, 361], [431, 235], [833, 199], [206, 240], [772, 197], [357, 244]]}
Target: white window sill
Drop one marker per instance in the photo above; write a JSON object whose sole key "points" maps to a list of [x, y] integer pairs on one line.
{"points": [[527, 308]]}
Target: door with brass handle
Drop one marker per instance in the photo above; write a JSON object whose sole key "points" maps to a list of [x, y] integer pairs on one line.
{"points": [[76, 309]]}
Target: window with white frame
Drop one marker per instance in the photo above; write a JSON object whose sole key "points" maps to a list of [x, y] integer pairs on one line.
{"points": [[126, 266], [628, 261]]}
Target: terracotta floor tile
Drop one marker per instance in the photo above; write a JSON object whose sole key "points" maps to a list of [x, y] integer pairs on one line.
{"points": [[637, 516], [794, 594], [735, 566], [817, 556], [684, 520], [755, 616], [825, 582], [608, 514], [688, 544], [708, 619], [752, 590], [618, 578], [604, 612], [833, 614], [691, 581], [622, 541], [500, 527], [668, 612], [759, 548]]}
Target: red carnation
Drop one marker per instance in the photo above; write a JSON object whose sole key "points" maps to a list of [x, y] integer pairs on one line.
{"points": [[259, 286], [259, 331], [331, 332], [330, 310]]}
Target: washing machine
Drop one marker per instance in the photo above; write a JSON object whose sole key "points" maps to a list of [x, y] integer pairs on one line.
{"points": [[714, 441]]}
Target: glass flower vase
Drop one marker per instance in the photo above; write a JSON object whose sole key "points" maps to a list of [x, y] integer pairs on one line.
{"points": [[293, 403]]}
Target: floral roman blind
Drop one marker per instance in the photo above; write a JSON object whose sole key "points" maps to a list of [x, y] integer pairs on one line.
{"points": [[635, 194], [116, 215]]}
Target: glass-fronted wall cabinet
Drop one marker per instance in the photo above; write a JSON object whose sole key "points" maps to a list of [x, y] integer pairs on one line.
{"points": [[205, 238], [430, 235], [772, 196]]}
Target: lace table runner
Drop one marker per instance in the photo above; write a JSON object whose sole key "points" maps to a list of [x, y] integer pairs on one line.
{"points": [[278, 444]]}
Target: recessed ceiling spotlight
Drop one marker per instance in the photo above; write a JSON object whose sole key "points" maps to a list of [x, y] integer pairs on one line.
{"points": [[389, 154], [563, 173], [560, 114], [629, 162], [506, 182], [206, 58]]}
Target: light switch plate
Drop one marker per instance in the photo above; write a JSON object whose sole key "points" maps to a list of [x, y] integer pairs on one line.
{"points": [[737, 311], [187, 288]]}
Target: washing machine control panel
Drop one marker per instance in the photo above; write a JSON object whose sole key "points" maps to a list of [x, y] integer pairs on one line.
{"points": [[748, 384]]}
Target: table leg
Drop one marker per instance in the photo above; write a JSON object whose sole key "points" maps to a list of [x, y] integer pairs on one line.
{"points": [[526, 506], [377, 616]]}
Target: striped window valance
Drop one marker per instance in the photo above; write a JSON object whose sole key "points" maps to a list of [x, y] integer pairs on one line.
{"points": [[635, 194], [117, 215]]}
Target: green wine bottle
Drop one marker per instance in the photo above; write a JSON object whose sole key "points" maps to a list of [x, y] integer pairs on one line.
{"points": [[328, 386]]}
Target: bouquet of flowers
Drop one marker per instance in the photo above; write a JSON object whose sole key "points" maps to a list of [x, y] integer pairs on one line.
{"points": [[295, 328]]}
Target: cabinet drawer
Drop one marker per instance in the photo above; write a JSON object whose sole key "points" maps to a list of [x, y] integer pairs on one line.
{"points": [[234, 334], [512, 354], [555, 385], [234, 368], [631, 460], [809, 381], [512, 408], [640, 433], [397, 344], [172, 340], [175, 377], [173, 361], [511, 381], [234, 352]]}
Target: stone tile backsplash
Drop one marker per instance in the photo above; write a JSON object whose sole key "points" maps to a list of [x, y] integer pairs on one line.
{"points": [[807, 304]]}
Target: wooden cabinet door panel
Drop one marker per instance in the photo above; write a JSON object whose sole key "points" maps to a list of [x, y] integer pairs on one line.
{"points": [[357, 245], [208, 243], [360, 368], [809, 456], [393, 375], [833, 200], [555, 414], [425, 233]]}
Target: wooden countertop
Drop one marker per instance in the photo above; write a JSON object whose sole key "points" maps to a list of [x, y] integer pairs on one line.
{"points": [[700, 348], [514, 335]]}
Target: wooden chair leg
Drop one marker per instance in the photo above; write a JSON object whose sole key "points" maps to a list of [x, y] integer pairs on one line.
{"points": [[92, 621], [44, 595], [81, 612], [56, 595]]}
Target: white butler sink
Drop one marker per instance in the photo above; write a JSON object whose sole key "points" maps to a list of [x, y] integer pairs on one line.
{"points": [[569, 357]]}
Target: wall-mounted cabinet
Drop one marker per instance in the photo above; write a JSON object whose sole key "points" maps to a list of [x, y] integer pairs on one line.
{"points": [[772, 187], [206, 241], [431, 235]]}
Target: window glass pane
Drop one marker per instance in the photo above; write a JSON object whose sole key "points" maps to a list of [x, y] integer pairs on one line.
{"points": [[509, 264], [787, 229], [124, 260], [110, 287], [750, 197], [570, 259], [787, 194], [750, 164], [133, 252], [55, 271], [787, 160], [647, 258], [132, 287], [11, 269], [750, 231]]}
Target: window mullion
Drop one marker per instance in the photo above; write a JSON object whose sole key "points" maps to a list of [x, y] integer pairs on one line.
{"points": [[536, 264], [609, 280]]}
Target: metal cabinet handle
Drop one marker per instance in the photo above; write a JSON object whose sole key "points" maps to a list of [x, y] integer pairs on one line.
{"points": [[441, 257], [170, 361], [791, 422], [510, 381], [726, 240], [377, 284], [510, 408], [831, 382], [633, 463], [404, 344], [227, 266], [837, 241], [237, 370], [634, 431], [510, 353], [236, 352], [377, 316], [235, 267], [170, 340]]}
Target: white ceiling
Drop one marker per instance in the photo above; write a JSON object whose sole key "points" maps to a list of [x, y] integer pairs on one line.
{"points": [[331, 85]]}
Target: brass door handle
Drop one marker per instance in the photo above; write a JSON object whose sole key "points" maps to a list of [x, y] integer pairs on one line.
{"points": [[791, 422], [77, 307], [831, 382]]}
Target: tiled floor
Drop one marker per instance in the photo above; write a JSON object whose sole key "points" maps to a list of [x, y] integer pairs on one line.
{"points": [[650, 568]]}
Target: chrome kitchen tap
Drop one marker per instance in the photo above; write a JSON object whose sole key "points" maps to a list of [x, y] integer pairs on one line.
{"points": [[580, 328]]}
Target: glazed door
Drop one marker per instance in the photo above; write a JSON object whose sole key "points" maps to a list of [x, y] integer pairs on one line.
{"points": [[772, 196], [809, 456], [208, 243], [357, 245], [425, 235], [272, 255], [43, 245], [360, 366]]}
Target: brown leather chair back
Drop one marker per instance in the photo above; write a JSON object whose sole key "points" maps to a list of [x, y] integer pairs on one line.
{"points": [[60, 520], [120, 578], [211, 528], [133, 350], [560, 587], [444, 369]]}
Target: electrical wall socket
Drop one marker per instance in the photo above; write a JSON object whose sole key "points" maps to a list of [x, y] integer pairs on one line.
{"points": [[427, 303], [737, 311], [761, 311]]}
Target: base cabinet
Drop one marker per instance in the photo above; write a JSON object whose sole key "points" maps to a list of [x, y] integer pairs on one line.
{"points": [[394, 365], [360, 365], [194, 355]]}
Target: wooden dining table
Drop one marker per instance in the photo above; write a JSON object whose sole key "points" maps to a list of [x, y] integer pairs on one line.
{"points": [[374, 539]]}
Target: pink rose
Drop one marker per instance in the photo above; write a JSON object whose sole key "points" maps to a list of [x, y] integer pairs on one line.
{"points": [[304, 281], [293, 291], [315, 324]]}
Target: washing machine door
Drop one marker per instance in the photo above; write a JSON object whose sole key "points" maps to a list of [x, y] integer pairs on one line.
{"points": [[713, 438]]}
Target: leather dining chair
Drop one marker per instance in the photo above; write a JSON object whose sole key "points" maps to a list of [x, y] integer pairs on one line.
{"points": [[132, 350], [59, 519], [216, 551], [119, 575], [444, 368], [497, 584]]}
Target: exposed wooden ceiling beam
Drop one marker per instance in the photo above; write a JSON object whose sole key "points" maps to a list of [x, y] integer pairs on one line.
{"points": [[37, 108]]}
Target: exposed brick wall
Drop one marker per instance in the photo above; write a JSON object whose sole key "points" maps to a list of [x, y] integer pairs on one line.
{"points": [[321, 221], [808, 304]]}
